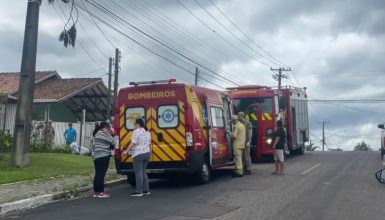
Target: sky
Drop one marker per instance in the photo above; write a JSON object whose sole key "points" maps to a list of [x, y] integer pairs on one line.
{"points": [[335, 49]]}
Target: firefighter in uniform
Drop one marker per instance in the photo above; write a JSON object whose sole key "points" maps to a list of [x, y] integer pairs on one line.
{"points": [[239, 142], [246, 153]]}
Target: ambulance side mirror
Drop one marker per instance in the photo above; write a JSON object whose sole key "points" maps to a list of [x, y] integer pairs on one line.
{"points": [[381, 126]]}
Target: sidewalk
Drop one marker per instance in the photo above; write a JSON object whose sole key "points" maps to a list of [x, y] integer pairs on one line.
{"points": [[26, 194]]}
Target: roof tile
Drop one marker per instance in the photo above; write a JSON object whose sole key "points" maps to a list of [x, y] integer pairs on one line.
{"points": [[59, 88], [9, 81]]}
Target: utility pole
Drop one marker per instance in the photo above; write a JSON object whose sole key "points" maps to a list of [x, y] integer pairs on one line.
{"points": [[22, 132], [323, 134], [116, 73], [196, 76], [82, 122], [280, 75], [108, 115]]}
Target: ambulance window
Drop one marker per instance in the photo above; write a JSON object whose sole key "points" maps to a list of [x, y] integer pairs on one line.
{"points": [[168, 116], [217, 117], [132, 114]]}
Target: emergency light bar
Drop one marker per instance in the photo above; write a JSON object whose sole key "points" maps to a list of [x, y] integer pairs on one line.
{"points": [[248, 87], [169, 81]]}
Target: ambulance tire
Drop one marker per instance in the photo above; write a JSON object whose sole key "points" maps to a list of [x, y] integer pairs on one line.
{"points": [[204, 174], [301, 151], [131, 179]]}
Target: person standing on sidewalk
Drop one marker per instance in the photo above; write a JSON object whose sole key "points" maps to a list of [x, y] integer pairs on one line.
{"points": [[140, 150], [239, 142], [101, 152], [246, 153], [279, 138], [70, 134]]}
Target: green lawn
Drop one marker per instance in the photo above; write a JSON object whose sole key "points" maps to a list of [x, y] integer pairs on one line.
{"points": [[46, 165]]}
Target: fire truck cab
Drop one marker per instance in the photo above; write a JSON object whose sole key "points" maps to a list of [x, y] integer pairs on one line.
{"points": [[263, 107], [189, 127]]}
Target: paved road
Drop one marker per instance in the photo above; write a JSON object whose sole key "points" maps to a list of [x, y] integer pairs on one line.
{"points": [[318, 185]]}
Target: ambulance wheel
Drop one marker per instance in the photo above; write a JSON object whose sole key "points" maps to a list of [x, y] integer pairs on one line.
{"points": [[131, 179], [301, 151], [203, 175]]}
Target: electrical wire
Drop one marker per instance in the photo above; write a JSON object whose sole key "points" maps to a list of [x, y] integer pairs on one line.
{"points": [[248, 37], [220, 36]]}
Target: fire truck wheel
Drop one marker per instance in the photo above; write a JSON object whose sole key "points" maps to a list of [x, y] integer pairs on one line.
{"points": [[131, 179], [203, 176]]}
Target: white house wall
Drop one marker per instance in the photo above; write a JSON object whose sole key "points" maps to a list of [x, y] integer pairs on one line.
{"points": [[59, 127]]}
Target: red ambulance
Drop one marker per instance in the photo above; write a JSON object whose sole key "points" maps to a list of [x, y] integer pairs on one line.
{"points": [[189, 126]]}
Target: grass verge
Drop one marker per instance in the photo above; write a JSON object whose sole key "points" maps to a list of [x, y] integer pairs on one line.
{"points": [[46, 165]]}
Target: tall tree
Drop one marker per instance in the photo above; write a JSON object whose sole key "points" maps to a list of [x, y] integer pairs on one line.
{"points": [[362, 146]]}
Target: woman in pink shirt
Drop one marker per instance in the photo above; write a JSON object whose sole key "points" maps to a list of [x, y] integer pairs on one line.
{"points": [[140, 150]]}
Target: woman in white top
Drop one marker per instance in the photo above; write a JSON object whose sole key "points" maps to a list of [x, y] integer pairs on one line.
{"points": [[139, 149]]}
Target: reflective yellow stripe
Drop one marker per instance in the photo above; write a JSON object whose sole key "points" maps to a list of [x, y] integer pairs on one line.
{"points": [[164, 147], [160, 153], [121, 110], [268, 117], [180, 139], [254, 117], [124, 143]]}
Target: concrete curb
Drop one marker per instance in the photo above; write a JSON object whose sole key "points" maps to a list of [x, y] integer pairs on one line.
{"points": [[48, 198]]}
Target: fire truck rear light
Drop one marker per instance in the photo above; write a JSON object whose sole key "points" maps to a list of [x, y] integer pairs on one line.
{"points": [[269, 131], [189, 139], [172, 80]]}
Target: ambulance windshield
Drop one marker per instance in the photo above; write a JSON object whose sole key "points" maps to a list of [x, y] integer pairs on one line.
{"points": [[266, 104]]}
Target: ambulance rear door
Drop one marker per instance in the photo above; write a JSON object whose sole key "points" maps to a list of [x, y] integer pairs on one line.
{"points": [[218, 141]]}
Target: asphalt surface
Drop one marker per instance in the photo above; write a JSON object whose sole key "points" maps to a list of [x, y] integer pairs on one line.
{"points": [[318, 185]]}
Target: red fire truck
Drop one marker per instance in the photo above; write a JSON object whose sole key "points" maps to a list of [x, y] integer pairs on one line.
{"points": [[264, 106], [189, 126]]}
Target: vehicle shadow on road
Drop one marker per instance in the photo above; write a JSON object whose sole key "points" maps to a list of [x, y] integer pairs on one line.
{"points": [[187, 181]]}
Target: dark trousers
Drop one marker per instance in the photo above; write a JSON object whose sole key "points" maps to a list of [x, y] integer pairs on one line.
{"points": [[101, 167], [140, 165]]}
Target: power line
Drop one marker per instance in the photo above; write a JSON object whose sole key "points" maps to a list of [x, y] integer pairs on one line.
{"points": [[150, 50], [220, 36], [235, 36], [96, 24], [347, 100], [177, 44], [84, 49], [193, 38], [136, 29], [244, 34]]}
